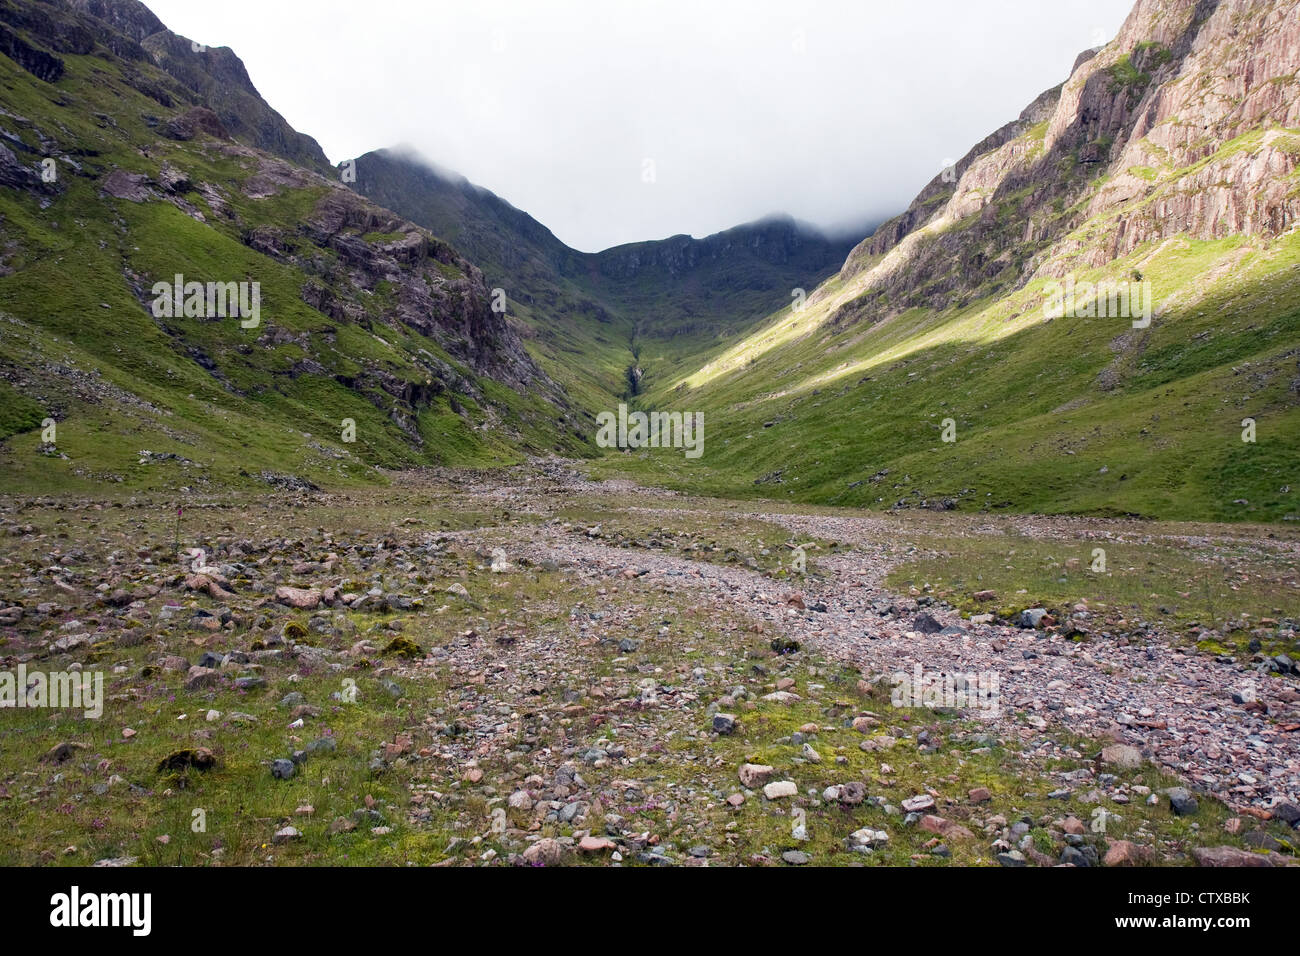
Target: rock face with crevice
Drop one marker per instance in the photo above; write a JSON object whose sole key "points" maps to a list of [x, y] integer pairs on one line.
{"points": [[1183, 124]]}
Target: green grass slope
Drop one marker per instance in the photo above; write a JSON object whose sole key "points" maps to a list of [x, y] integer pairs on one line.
{"points": [[929, 373], [610, 323], [399, 338], [1072, 415]]}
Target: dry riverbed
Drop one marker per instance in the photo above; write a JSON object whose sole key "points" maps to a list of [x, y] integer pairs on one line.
{"points": [[529, 668]]}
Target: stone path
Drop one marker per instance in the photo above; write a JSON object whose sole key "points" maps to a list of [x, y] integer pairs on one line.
{"points": [[1176, 707]]}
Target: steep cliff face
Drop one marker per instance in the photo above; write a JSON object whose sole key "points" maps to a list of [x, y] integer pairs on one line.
{"points": [[940, 190], [1178, 126], [435, 290], [1198, 77]]}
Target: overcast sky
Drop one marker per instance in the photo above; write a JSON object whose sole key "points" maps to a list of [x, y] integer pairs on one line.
{"points": [[614, 121]]}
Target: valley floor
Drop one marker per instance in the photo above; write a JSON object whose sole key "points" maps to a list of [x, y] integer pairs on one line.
{"points": [[531, 667]]}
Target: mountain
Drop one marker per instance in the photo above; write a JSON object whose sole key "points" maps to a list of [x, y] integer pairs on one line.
{"points": [[638, 309], [182, 72], [130, 158], [382, 341], [1097, 310], [937, 368]]}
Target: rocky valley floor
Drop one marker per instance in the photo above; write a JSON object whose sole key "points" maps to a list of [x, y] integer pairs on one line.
{"points": [[530, 668]]}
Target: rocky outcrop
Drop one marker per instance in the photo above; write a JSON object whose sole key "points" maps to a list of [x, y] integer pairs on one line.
{"points": [[940, 190], [129, 17], [44, 25], [40, 63], [14, 173], [196, 121], [33, 33], [217, 77], [432, 288], [1144, 140]]}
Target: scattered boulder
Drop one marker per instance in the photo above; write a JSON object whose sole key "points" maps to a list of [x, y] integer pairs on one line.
{"points": [[780, 788], [1121, 756], [1230, 856], [1181, 801], [927, 623], [545, 852], [286, 835], [199, 677], [60, 753], [1031, 618], [1124, 853], [754, 775], [303, 599]]}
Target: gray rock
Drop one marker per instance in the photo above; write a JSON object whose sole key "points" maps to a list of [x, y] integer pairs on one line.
{"points": [[1288, 813], [1122, 756], [724, 724], [1075, 856], [1262, 840], [286, 835], [927, 624], [1031, 617], [1181, 801]]}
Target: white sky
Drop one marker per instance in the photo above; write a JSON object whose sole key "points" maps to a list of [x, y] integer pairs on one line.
{"points": [[834, 111]]}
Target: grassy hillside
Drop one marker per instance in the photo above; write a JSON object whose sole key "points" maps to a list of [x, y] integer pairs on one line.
{"points": [[610, 323], [1071, 415], [398, 339], [930, 372]]}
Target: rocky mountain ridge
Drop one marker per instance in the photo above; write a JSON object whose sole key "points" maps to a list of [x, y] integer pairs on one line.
{"points": [[934, 370], [759, 262], [1139, 141]]}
